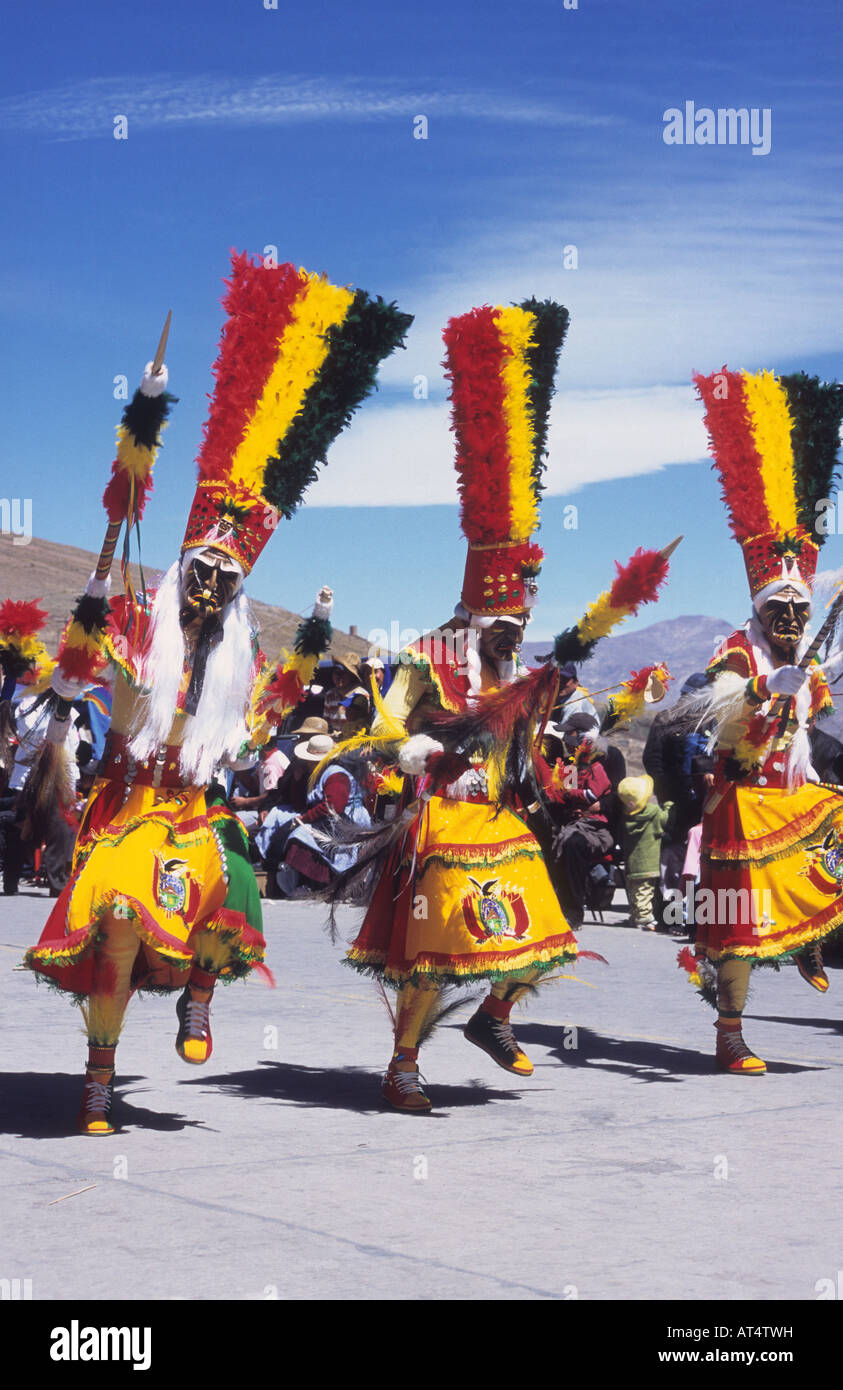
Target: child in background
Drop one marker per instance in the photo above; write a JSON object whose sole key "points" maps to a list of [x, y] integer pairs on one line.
{"points": [[644, 824], [690, 879]]}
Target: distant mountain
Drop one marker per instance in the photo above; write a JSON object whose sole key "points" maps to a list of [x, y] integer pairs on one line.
{"points": [[57, 574], [685, 644]]}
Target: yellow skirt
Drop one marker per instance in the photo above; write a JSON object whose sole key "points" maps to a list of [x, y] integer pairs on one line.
{"points": [[772, 871], [172, 862], [469, 897]]}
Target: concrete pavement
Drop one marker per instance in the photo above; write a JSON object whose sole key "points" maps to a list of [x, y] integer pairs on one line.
{"points": [[624, 1168]]}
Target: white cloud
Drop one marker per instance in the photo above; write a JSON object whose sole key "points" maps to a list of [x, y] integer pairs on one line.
{"points": [[85, 110], [403, 455], [676, 286]]}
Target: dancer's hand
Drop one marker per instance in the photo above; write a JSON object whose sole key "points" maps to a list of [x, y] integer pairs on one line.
{"points": [[414, 754], [787, 680]]}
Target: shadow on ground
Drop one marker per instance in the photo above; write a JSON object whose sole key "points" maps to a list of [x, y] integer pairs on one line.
{"points": [[831, 1025], [638, 1058], [337, 1088], [35, 1105]]}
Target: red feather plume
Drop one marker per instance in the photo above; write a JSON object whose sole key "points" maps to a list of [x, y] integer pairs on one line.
{"points": [[736, 458], [286, 688], [638, 680], [473, 364], [639, 580], [21, 617], [686, 960], [259, 305], [497, 712], [80, 664], [117, 495]]}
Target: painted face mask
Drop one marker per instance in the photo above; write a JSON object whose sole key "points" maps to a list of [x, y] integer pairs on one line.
{"points": [[211, 582], [502, 640], [783, 618]]}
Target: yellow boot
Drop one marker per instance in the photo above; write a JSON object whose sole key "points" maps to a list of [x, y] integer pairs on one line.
{"points": [[491, 1030], [732, 1054], [95, 1110]]}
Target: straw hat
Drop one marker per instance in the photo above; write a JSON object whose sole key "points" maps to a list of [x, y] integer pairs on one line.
{"points": [[350, 662], [315, 748], [634, 793], [312, 725]]}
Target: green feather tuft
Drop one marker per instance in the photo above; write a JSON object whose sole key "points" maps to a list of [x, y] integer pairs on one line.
{"points": [[569, 646], [313, 636], [552, 321], [817, 410], [371, 330]]}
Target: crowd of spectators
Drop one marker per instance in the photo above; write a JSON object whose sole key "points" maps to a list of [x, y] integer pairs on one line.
{"points": [[602, 832]]}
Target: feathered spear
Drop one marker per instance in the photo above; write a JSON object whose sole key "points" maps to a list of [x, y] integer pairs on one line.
{"points": [[635, 583], [81, 657]]}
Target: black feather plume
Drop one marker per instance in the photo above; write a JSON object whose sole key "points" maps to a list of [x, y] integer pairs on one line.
{"points": [[817, 410]]}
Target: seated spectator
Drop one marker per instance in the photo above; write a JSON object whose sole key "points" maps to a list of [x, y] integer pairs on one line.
{"points": [[577, 787], [645, 822], [347, 705], [372, 667], [274, 764], [296, 851], [247, 798], [312, 702], [290, 791]]}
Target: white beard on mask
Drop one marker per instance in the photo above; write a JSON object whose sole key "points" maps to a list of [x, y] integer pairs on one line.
{"points": [[216, 733]]}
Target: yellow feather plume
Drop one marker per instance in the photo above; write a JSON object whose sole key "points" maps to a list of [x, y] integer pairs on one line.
{"points": [[302, 349], [390, 731], [135, 459], [771, 424], [599, 619], [76, 636], [516, 328]]}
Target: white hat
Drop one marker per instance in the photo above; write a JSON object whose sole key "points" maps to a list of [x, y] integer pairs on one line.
{"points": [[315, 749]]}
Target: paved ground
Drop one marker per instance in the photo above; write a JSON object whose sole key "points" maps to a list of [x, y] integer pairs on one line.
{"points": [[625, 1168]]}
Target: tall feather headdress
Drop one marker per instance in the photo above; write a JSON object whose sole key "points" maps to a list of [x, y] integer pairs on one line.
{"points": [[774, 441], [501, 363], [297, 356]]}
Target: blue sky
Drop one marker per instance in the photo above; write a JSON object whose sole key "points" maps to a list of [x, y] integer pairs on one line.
{"points": [[293, 128]]}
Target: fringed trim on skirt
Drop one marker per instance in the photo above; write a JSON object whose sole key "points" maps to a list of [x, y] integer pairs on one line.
{"points": [[778, 844], [784, 948], [244, 942], [180, 834], [480, 856], [458, 970], [72, 948]]}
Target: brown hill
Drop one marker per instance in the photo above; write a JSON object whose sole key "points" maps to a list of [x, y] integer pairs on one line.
{"points": [[57, 574]]}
